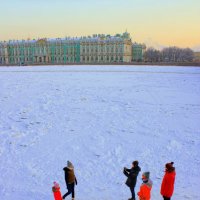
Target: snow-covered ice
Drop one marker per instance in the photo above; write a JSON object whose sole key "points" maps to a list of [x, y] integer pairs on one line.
{"points": [[101, 118]]}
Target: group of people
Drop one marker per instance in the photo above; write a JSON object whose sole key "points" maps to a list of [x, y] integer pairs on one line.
{"points": [[167, 186], [70, 180]]}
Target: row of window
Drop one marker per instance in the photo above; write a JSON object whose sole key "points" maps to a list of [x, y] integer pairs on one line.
{"points": [[40, 59], [41, 51], [2, 60], [87, 58], [64, 47], [69, 54], [30, 53], [17, 51], [41, 46], [62, 59], [103, 50]]}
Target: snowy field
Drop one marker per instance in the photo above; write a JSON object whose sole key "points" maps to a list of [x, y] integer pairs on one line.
{"points": [[101, 118]]}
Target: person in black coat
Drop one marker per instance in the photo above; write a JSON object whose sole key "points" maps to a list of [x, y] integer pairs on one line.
{"points": [[70, 180], [132, 177]]}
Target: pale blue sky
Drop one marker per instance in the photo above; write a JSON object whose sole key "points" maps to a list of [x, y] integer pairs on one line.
{"points": [[166, 22]]}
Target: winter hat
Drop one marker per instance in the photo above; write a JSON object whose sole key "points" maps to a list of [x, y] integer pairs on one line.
{"points": [[70, 165], [135, 163], [56, 185], [145, 176], [169, 167]]}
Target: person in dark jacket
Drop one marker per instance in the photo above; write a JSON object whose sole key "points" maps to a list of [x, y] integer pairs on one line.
{"points": [[70, 179], [132, 177]]}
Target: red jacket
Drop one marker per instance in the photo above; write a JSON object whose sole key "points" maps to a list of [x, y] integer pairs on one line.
{"points": [[145, 191], [167, 187], [56, 193]]}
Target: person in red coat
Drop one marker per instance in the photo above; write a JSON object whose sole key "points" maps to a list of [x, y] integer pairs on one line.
{"points": [[145, 188], [167, 186], [56, 191]]}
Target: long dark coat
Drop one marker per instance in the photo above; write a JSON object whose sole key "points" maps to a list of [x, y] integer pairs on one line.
{"points": [[69, 176], [132, 176]]}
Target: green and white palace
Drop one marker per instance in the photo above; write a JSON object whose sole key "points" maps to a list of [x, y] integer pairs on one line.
{"points": [[92, 49]]}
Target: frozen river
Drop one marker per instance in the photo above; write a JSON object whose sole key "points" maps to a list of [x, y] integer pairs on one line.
{"points": [[101, 118]]}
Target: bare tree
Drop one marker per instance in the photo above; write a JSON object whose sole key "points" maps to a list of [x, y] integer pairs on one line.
{"points": [[152, 55], [170, 54]]}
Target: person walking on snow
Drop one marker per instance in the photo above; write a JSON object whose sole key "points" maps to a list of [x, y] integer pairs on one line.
{"points": [[145, 188], [70, 179], [167, 186], [132, 177]]}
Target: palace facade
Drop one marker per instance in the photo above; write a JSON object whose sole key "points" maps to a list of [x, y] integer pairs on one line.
{"points": [[92, 49]]}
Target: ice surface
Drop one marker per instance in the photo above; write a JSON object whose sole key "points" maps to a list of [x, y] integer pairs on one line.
{"points": [[101, 118]]}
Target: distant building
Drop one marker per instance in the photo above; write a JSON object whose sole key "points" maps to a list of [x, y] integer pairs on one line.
{"points": [[92, 49], [106, 49], [138, 51], [197, 56]]}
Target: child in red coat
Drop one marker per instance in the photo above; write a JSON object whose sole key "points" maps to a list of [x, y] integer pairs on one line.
{"points": [[167, 186], [145, 188], [56, 191]]}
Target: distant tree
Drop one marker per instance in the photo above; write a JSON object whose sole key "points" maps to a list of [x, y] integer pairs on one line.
{"points": [[152, 55], [170, 54], [188, 55]]}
